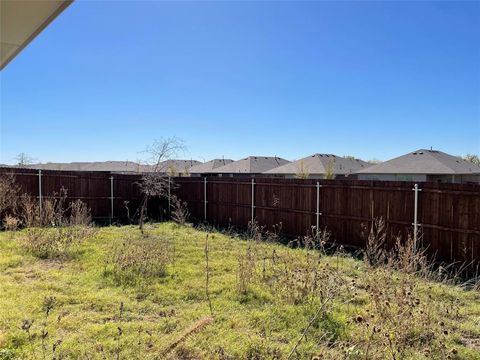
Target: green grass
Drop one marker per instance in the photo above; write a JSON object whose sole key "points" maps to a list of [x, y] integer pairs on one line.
{"points": [[157, 312]]}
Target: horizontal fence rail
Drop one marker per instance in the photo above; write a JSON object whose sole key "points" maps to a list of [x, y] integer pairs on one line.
{"points": [[447, 216]]}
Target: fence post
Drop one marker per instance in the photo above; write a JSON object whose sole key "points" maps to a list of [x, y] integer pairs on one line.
{"points": [[415, 216], [318, 213], [111, 199], [253, 200], [205, 198], [40, 192]]}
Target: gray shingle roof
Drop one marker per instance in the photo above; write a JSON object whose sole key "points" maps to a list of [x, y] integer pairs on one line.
{"points": [[252, 165], [116, 166], [319, 163], [119, 166], [209, 166], [424, 162]]}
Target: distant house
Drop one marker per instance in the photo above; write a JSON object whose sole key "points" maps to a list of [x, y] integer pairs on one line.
{"points": [[424, 165], [171, 167], [114, 166], [318, 165], [208, 167], [250, 166]]}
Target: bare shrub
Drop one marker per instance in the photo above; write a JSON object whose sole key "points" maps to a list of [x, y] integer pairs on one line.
{"points": [[180, 212], [9, 191], [11, 223], [56, 230], [51, 213], [405, 256], [375, 253], [136, 258], [54, 242], [409, 259], [29, 211], [320, 240], [255, 231], [79, 214]]}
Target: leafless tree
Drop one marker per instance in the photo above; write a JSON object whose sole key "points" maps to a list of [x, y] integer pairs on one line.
{"points": [[23, 160], [475, 159], [155, 182]]}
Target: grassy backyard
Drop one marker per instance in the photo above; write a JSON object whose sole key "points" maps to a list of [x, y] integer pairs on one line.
{"points": [[107, 299]]}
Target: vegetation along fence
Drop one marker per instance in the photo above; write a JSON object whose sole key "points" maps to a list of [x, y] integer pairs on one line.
{"points": [[446, 215]]}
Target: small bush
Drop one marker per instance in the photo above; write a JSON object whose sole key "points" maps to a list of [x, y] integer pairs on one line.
{"points": [[138, 257], [50, 214], [8, 194], [54, 229], [375, 253], [180, 213], [55, 242], [11, 223], [79, 214]]}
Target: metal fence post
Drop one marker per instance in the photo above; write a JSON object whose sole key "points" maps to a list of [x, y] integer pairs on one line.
{"points": [[415, 216], [253, 200], [205, 198], [318, 213], [40, 191], [111, 198]]}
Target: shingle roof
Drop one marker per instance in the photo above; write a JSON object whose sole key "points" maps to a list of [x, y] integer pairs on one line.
{"points": [[319, 163], [252, 165], [209, 166], [424, 162], [117, 166]]}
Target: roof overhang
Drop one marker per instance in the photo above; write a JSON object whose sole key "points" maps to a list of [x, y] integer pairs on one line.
{"points": [[22, 21]]}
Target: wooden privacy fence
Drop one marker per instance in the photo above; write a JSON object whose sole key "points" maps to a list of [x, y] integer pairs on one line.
{"points": [[104, 193], [447, 215]]}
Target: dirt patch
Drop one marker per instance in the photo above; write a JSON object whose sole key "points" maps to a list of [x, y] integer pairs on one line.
{"points": [[471, 343], [32, 272], [22, 275], [50, 264]]}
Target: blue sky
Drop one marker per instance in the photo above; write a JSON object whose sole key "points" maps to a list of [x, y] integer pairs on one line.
{"points": [[370, 79]]}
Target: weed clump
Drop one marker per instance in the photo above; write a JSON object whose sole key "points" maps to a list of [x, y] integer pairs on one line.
{"points": [[58, 242], [56, 229], [139, 257], [180, 212]]}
